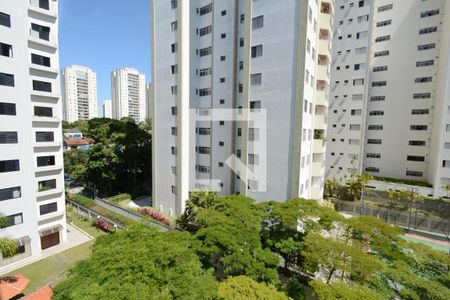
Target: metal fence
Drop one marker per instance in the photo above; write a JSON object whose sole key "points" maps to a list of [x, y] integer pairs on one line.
{"points": [[81, 210], [396, 217]]}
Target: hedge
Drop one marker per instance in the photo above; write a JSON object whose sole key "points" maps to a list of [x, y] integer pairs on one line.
{"points": [[119, 198]]}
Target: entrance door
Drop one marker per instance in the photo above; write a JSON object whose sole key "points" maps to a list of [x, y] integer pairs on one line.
{"points": [[49, 240]]}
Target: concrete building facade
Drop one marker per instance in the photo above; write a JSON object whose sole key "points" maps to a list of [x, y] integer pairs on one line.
{"points": [[148, 100], [246, 59], [390, 91], [128, 94], [79, 93], [107, 109], [31, 160]]}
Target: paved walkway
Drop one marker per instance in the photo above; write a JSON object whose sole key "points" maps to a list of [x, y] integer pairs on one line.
{"points": [[74, 238]]}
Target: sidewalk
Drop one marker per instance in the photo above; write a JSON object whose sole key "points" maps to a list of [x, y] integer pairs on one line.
{"points": [[74, 238]]}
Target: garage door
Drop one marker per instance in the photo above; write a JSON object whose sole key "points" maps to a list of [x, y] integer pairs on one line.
{"points": [[49, 240]]}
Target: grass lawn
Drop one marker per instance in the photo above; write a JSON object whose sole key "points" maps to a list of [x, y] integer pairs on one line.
{"points": [[83, 223], [53, 269], [435, 246]]}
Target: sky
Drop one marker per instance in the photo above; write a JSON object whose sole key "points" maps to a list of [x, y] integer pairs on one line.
{"points": [[105, 35]]}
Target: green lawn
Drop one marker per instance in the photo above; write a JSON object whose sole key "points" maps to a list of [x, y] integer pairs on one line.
{"points": [[83, 223], [435, 246], [53, 269]]}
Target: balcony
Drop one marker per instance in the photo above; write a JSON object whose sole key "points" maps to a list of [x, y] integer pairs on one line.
{"points": [[322, 73], [325, 26], [319, 145], [321, 98], [48, 168], [324, 48], [318, 169], [48, 192], [42, 119]]}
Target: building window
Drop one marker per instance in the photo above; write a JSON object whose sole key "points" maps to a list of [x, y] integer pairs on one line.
{"points": [[446, 163], [429, 13], [223, 35], [8, 137], [204, 150], [205, 92], [420, 111], [382, 39], [14, 220], [9, 165], [173, 4], [414, 173], [221, 144], [48, 208], [174, 69], [385, 7], [205, 72], [258, 22], [205, 51], [375, 127], [255, 105], [10, 193], [423, 79], [379, 83], [222, 101], [256, 79], [6, 50], [374, 141], [372, 170], [425, 63], [257, 51], [203, 169], [252, 185], [40, 60], [363, 19], [42, 86], [384, 23], [45, 136], [361, 50], [422, 96], [376, 113], [41, 111], [355, 112], [373, 155], [40, 32], [426, 47], [174, 131], [381, 53], [6, 79], [241, 42], [46, 185], [428, 30], [361, 35], [173, 150], [7, 109], [44, 161], [253, 134], [253, 159], [222, 58], [415, 158], [205, 30], [174, 47], [5, 20], [205, 9], [174, 89], [419, 127], [224, 13], [380, 69], [174, 26], [355, 127], [417, 143], [357, 97], [360, 66], [358, 82], [354, 142], [241, 65], [174, 110], [204, 131]]}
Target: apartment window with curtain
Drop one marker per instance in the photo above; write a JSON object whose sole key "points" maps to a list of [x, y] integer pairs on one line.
{"points": [[257, 22], [10, 193], [8, 137]]}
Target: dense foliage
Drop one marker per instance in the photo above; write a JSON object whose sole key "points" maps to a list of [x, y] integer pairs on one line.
{"points": [[119, 161], [237, 249]]}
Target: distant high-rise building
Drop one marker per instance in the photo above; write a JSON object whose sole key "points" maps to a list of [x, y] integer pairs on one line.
{"points": [[242, 59], [107, 109], [148, 99], [79, 93], [128, 94], [31, 158], [390, 91]]}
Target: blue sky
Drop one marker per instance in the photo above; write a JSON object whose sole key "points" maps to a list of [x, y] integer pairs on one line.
{"points": [[105, 35]]}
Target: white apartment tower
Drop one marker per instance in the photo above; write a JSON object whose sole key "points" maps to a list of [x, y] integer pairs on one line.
{"points": [[246, 59], [389, 109], [128, 94], [107, 109], [79, 93], [31, 159]]}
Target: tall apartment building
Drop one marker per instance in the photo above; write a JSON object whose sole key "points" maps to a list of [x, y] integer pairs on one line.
{"points": [[238, 61], [79, 93], [128, 94], [148, 100], [107, 109], [389, 100], [31, 159]]}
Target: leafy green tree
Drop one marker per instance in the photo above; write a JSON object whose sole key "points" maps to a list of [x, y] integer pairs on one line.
{"points": [[146, 124], [201, 200], [242, 287], [332, 291], [75, 162], [140, 263], [357, 183], [330, 186], [8, 247]]}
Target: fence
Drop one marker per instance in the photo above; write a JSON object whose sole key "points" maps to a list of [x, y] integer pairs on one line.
{"points": [[92, 214], [395, 217]]}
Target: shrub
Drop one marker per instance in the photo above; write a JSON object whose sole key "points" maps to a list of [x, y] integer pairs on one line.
{"points": [[104, 225], [119, 198], [154, 215], [84, 201]]}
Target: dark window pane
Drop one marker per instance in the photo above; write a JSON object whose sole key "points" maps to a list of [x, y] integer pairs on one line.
{"points": [[42, 86], [48, 208], [46, 185], [9, 165], [41, 111], [8, 137], [41, 32], [44, 4], [10, 193], [43, 161], [44, 136], [6, 50], [40, 60], [8, 109], [6, 79], [5, 20]]}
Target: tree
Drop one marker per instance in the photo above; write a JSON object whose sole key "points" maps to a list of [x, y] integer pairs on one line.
{"points": [[242, 287], [330, 186], [357, 184], [146, 124], [200, 200], [140, 263], [332, 291], [8, 247]]}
